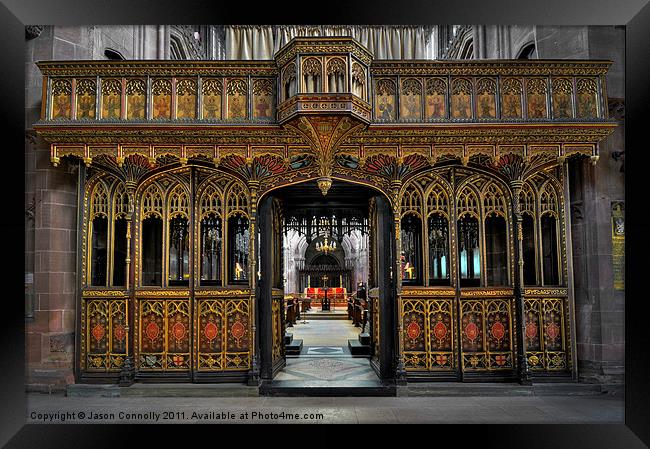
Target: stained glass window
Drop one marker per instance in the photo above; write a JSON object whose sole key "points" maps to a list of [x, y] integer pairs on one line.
{"points": [[179, 251], [211, 250], [238, 235], [468, 252], [411, 258], [438, 250]]}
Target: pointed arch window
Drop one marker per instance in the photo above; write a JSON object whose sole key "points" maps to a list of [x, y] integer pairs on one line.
{"points": [[152, 236], [211, 237], [121, 209], [528, 240], [179, 251], [179, 239], [238, 242], [438, 249], [411, 257], [99, 235], [496, 251], [211, 244], [469, 252], [549, 207]]}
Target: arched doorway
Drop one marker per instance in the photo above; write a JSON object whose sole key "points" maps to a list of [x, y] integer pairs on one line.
{"points": [[346, 208]]}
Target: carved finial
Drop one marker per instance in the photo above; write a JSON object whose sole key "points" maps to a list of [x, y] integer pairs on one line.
{"points": [[594, 159], [324, 184]]}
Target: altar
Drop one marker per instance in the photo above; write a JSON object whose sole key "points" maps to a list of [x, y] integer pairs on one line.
{"points": [[335, 295]]}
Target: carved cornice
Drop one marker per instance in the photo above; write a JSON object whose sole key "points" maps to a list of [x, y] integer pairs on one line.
{"points": [[486, 293], [490, 67], [228, 293], [330, 45], [157, 68], [104, 294], [502, 134], [162, 293], [497, 134], [545, 292], [426, 292]]}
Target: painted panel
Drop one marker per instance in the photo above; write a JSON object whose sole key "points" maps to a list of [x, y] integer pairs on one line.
{"points": [[237, 101], [161, 90], [486, 106], [186, 99], [385, 101], [61, 99], [111, 98], [562, 89], [263, 98], [587, 99], [436, 98], [461, 98], [103, 342], [411, 100], [211, 90], [86, 95], [536, 93], [136, 91], [511, 91]]}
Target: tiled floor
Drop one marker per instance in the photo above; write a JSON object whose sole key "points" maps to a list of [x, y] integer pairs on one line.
{"points": [[324, 332], [329, 369]]}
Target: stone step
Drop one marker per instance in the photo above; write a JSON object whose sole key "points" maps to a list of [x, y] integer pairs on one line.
{"points": [[294, 347], [343, 388], [324, 388], [162, 390], [498, 389], [356, 348], [323, 316]]}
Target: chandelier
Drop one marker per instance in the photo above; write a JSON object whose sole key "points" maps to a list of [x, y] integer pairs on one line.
{"points": [[326, 246]]}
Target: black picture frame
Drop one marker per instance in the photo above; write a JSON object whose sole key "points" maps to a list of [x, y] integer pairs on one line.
{"points": [[633, 14]]}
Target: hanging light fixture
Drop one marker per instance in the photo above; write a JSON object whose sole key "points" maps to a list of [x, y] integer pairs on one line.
{"points": [[326, 247]]}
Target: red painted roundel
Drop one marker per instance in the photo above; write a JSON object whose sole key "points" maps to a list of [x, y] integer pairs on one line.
{"points": [[152, 330], [237, 330], [440, 330], [552, 330], [178, 330], [413, 330], [531, 330], [119, 332], [471, 331], [210, 331], [498, 331], [98, 332]]}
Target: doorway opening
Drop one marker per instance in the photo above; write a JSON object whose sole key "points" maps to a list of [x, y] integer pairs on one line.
{"points": [[326, 254]]}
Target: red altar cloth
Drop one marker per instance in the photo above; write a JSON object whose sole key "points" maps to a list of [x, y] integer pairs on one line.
{"points": [[319, 293]]}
